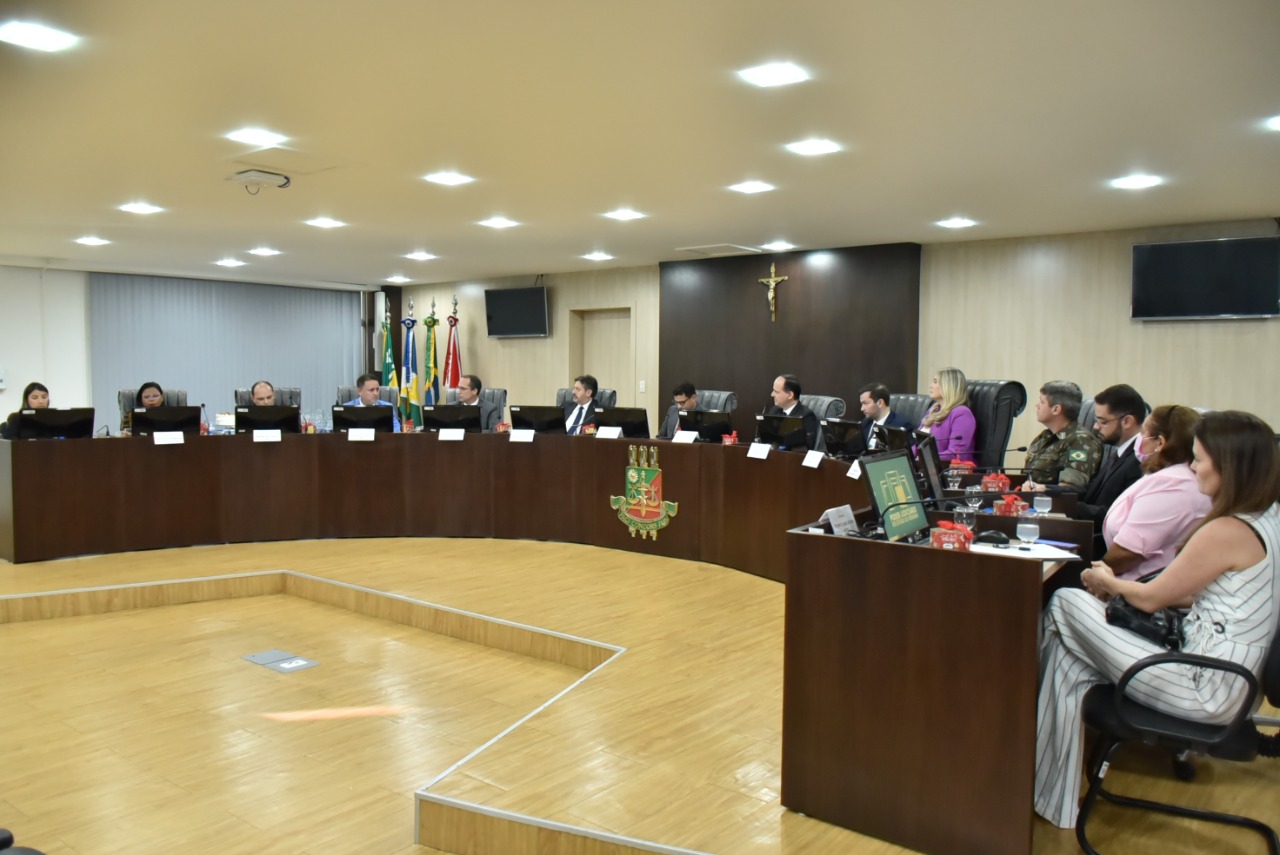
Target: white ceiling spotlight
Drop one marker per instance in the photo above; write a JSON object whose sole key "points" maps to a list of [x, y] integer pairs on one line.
{"points": [[498, 223], [420, 255], [36, 36], [259, 137], [230, 262], [1272, 124], [326, 223], [1137, 181], [813, 147], [752, 187], [90, 240], [398, 279], [774, 74], [778, 246], [598, 256], [141, 208], [448, 178], [956, 223], [264, 251]]}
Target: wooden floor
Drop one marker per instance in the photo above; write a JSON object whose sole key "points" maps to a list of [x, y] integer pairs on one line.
{"points": [[144, 731]]}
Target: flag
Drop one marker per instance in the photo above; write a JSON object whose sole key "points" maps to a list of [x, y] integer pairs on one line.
{"points": [[431, 377], [410, 390], [388, 355], [452, 354]]}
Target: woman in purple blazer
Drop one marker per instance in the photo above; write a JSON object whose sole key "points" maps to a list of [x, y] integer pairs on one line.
{"points": [[949, 420]]}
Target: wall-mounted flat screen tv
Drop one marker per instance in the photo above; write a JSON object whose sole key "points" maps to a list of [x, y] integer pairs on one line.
{"points": [[517, 312], [1236, 278]]}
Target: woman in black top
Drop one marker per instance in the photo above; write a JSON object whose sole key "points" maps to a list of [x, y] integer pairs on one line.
{"points": [[34, 397]]}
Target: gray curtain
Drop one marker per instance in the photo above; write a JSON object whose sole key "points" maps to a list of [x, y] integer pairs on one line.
{"points": [[211, 338]]}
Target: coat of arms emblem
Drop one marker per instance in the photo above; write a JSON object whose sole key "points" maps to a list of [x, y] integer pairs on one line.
{"points": [[641, 506]]}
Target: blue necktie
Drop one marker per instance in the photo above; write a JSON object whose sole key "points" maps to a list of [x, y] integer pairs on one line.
{"points": [[577, 421]]}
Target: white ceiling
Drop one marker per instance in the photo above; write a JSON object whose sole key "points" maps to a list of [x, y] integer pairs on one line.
{"points": [[1012, 112]]}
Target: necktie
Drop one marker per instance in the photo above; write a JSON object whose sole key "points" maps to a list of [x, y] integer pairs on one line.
{"points": [[577, 421]]}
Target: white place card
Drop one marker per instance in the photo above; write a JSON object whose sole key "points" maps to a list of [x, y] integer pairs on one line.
{"points": [[758, 450], [452, 434], [522, 434], [841, 518], [360, 435], [272, 435], [168, 437], [609, 432], [855, 470], [813, 458], [685, 436]]}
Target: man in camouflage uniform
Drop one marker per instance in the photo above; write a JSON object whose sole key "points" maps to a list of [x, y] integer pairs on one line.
{"points": [[1064, 452]]}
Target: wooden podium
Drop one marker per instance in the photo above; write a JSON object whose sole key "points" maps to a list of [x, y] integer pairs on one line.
{"points": [[909, 698]]}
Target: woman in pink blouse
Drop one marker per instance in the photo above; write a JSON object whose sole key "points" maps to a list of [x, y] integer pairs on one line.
{"points": [[1150, 521]]}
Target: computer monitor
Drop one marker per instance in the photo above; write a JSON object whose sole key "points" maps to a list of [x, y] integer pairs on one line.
{"points": [[634, 421], [891, 480], [931, 464], [147, 421], [897, 438], [74, 423], [844, 438], [437, 417], [538, 418], [284, 419], [785, 433], [709, 424], [381, 419]]}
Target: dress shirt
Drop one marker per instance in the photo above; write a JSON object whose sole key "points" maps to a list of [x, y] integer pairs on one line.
{"points": [[1155, 515]]}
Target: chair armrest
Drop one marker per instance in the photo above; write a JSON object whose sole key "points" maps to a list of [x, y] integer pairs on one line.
{"points": [[1178, 658]]}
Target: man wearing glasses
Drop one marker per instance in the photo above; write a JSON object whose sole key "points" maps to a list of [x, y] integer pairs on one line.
{"points": [[1118, 415], [683, 397]]}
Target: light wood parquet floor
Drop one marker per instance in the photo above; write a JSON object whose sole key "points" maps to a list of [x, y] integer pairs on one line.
{"points": [[144, 732]]}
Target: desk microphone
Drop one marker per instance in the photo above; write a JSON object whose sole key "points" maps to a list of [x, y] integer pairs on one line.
{"points": [[105, 430]]}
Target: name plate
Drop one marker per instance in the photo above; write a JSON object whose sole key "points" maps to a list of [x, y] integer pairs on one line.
{"points": [[272, 435], [685, 436], [168, 437], [609, 432], [813, 458], [360, 434], [758, 450], [452, 434], [855, 470], [522, 435]]}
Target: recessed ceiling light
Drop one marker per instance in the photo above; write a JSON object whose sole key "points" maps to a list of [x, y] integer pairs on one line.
{"points": [[812, 147], [398, 279], [956, 223], [1272, 124], [141, 208], [326, 223], [752, 187], [230, 262], [625, 214], [498, 223], [257, 136], [448, 179], [420, 256], [264, 251], [778, 246], [1137, 181], [90, 240], [598, 256], [36, 36], [774, 74]]}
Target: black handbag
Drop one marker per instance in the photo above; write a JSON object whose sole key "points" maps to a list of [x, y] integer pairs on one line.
{"points": [[1163, 627]]}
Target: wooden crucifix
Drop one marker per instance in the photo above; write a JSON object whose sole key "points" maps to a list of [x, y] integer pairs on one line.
{"points": [[772, 281]]}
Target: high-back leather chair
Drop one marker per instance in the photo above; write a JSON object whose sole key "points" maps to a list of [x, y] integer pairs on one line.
{"points": [[995, 404], [714, 399], [286, 396], [824, 406], [128, 399], [910, 406], [607, 398], [390, 394], [497, 397]]}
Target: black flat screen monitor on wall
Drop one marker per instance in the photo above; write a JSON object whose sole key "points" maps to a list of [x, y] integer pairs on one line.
{"points": [[1237, 278], [517, 312]]}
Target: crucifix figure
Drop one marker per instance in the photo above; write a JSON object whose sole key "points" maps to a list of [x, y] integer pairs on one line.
{"points": [[772, 281]]}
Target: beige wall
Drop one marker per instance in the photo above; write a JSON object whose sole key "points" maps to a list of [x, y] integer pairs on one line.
{"points": [[1037, 309], [532, 369], [43, 335]]}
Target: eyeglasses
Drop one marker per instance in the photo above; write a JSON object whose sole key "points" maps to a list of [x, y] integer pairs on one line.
{"points": [[680, 402], [1099, 420]]}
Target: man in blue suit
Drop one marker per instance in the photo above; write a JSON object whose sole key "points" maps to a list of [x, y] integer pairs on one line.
{"points": [[367, 387], [873, 398]]}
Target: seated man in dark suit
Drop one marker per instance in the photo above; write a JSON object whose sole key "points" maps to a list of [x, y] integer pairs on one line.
{"points": [[683, 397], [469, 388], [786, 402], [263, 394], [873, 398], [581, 413], [1118, 415]]}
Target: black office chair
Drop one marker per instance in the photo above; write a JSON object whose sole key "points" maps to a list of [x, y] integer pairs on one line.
{"points": [[910, 406], [607, 398], [995, 404], [6, 845], [1119, 719], [390, 394], [286, 396]]}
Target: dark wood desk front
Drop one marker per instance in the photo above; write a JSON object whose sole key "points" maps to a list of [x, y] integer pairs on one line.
{"points": [[83, 497]]}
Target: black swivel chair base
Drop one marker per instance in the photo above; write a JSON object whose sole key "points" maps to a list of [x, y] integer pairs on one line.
{"points": [[6, 844]]}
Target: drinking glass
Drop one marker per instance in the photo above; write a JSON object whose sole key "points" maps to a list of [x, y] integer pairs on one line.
{"points": [[1028, 530], [953, 479], [967, 517], [973, 495], [1042, 504]]}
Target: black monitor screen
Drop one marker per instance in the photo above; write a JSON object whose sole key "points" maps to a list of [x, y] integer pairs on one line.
{"points": [[268, 418], [634, 421], [1207, 279], [784, 432], [891, 481], [542, 419], [147, 421], [710, 424], [931, 463], [381, 419], [75, 423], [844, 438], [516, 312], [435, 418]]}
